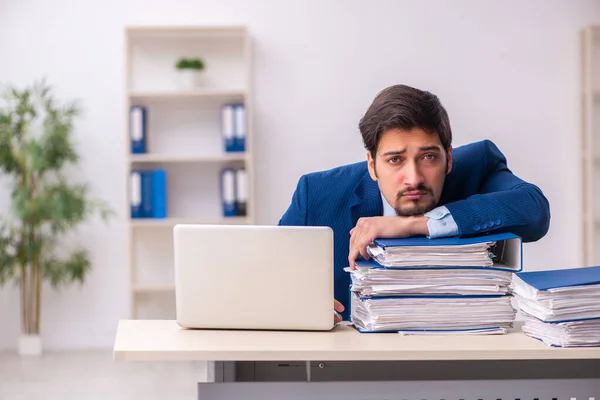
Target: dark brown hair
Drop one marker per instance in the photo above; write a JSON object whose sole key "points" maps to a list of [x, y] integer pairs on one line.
{"points": [[403, 107]]}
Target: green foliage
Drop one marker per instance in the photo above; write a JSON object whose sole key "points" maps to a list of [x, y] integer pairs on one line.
{"points": [[190, 63], [35, 148]]}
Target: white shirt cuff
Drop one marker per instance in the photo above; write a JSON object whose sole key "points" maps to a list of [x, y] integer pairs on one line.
{"points": [[441, 223]]}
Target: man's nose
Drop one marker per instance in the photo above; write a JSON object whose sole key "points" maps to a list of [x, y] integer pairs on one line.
{"points": [[412, 175]]}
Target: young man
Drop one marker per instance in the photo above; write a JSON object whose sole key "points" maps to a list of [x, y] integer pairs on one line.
{"points": [[414, 183]]}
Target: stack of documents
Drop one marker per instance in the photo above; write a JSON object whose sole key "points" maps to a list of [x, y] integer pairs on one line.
{"points": [[561, 307], [420, 285], [457, 313], [470, 255], [370, 279]]}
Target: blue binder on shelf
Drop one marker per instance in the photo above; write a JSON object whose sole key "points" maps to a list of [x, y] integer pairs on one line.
{"points": [[148, 193], [159, 193], [137, 129], [228, 196], [146, 188], [507, 253]]}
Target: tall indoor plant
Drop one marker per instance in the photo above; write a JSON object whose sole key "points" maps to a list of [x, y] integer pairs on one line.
{"points": [[36, 147]]}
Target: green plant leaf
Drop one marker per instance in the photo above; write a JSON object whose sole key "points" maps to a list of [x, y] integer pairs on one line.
{"points": [[72, 269], [193, 63], [9, 260]]}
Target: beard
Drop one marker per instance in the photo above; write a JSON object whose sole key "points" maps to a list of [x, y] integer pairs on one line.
{"points": [[415, 207]]}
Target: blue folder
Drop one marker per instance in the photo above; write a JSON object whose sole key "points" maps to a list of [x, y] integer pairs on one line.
{"points": [[552, 279], [509, 256], [159, 193], [446, 241]]}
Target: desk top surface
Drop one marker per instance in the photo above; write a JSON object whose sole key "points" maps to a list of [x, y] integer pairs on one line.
{"points": [[165, 340]]}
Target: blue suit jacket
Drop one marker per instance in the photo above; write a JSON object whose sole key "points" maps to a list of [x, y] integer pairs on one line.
{"points": [[480, 192]]}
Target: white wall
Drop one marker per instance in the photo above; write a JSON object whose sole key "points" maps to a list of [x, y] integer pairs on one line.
{"points": [[505, 70]]}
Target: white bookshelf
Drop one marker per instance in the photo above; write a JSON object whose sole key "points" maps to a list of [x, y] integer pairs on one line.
{"points": [[590, 143], [183, 138]]}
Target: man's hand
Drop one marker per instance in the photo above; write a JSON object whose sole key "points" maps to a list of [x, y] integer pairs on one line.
{"points": [[338, 307], [370, 228]]}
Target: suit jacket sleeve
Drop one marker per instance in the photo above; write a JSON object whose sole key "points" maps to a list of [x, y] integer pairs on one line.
{"points": [[504, 203], [296, 214]]}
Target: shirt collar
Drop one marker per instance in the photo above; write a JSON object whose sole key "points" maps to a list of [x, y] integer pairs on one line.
{"points": [[388, 211]]}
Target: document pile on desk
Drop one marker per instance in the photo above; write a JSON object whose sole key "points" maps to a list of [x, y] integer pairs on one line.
{"points": [[561, 307], [420, 285]]}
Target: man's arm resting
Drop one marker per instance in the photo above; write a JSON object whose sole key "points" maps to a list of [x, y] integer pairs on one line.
{"points": [[503, 203], [522, 210]]}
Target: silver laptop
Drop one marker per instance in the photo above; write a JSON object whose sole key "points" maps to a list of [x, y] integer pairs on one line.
{"points": [[254, 277]]}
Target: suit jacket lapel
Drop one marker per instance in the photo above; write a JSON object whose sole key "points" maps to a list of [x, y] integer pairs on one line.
{"points": [[366, 201]]}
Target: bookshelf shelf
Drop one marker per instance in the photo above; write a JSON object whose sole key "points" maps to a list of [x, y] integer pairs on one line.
{"points": [[196, 93], [171, 222], [185, 158], [183, 125], [153, 288]]}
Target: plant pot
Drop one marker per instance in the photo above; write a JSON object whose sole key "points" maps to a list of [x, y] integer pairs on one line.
{"points": [[189, 79], [30, 345]]}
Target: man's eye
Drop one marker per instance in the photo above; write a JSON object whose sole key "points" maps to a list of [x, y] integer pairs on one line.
{"points": [[430, 157], [394, 160]]}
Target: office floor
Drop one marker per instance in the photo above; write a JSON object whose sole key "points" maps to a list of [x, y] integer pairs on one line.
{"points": [[93, 375]]}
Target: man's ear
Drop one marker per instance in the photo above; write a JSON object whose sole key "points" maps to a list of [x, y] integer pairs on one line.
{"points": [[371, 165], [449, 161]]}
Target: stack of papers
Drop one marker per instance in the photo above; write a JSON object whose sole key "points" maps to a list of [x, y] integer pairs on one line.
{"points": [[470, 255], [370, 279], [405, 314], [561, 307], [450, 285]]}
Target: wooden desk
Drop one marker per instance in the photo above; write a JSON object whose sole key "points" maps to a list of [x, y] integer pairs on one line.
{"points": [[158, 340], [149, 340]]}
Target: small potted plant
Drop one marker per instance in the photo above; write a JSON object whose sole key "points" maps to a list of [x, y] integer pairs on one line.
{"points": [[189, 71]]}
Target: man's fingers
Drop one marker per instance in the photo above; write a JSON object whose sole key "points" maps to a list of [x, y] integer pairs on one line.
{"points": [[363, 243], [352, 258], [338, 308], [337, 318], [363, 251]]}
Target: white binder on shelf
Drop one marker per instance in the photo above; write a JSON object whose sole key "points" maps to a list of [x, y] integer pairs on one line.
{"points": [[137, 129], [240, 127], [135, 187], [228, 127], [228, 198]]}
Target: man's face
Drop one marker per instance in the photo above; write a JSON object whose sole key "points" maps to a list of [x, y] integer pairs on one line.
{"points": [[410, 168]]}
